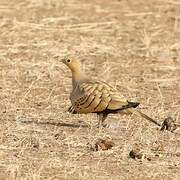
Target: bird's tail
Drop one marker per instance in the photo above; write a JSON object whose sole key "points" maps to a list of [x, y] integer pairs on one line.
{"points": [[139, 113]]}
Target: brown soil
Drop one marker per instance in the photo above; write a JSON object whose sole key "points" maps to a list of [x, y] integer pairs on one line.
{"points": [[132, 44]]}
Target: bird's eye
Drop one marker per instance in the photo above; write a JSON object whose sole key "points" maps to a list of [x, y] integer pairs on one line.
{"points": [[68, 60]]}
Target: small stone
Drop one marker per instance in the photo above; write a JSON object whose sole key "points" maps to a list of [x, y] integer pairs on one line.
{"points": [[104, 144], [135, 154], [168, 124]]}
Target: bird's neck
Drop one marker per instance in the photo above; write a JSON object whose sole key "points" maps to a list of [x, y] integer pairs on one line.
{"points": [[77, 77]]}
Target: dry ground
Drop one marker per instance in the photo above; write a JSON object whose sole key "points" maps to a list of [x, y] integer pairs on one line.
{"points": [[132, 44]]}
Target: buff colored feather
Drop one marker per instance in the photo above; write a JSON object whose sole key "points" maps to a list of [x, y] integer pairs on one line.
{"points": [[90, 96]]}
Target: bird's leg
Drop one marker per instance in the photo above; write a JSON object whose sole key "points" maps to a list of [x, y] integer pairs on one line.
{"points": [[102, 117]]}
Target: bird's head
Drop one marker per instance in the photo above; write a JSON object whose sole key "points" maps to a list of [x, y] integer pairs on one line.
{"points": [[72, 63]]}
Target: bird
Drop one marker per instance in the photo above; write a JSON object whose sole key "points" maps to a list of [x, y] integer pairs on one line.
{"points": [[96, 96]]}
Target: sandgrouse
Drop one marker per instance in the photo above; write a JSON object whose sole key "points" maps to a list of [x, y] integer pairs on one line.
{"points": [[90, 96]]}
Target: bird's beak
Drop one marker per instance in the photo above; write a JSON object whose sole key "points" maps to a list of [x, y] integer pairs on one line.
{"points": [[63, 60]]}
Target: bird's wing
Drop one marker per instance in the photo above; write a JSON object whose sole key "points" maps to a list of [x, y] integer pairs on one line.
{"points": [[97, 96]]}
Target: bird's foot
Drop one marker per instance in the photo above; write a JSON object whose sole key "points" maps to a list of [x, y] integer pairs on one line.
{"points": [[102, 125]]}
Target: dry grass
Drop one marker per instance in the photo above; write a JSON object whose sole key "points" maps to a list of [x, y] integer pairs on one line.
{"points": [[132, 44]]}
